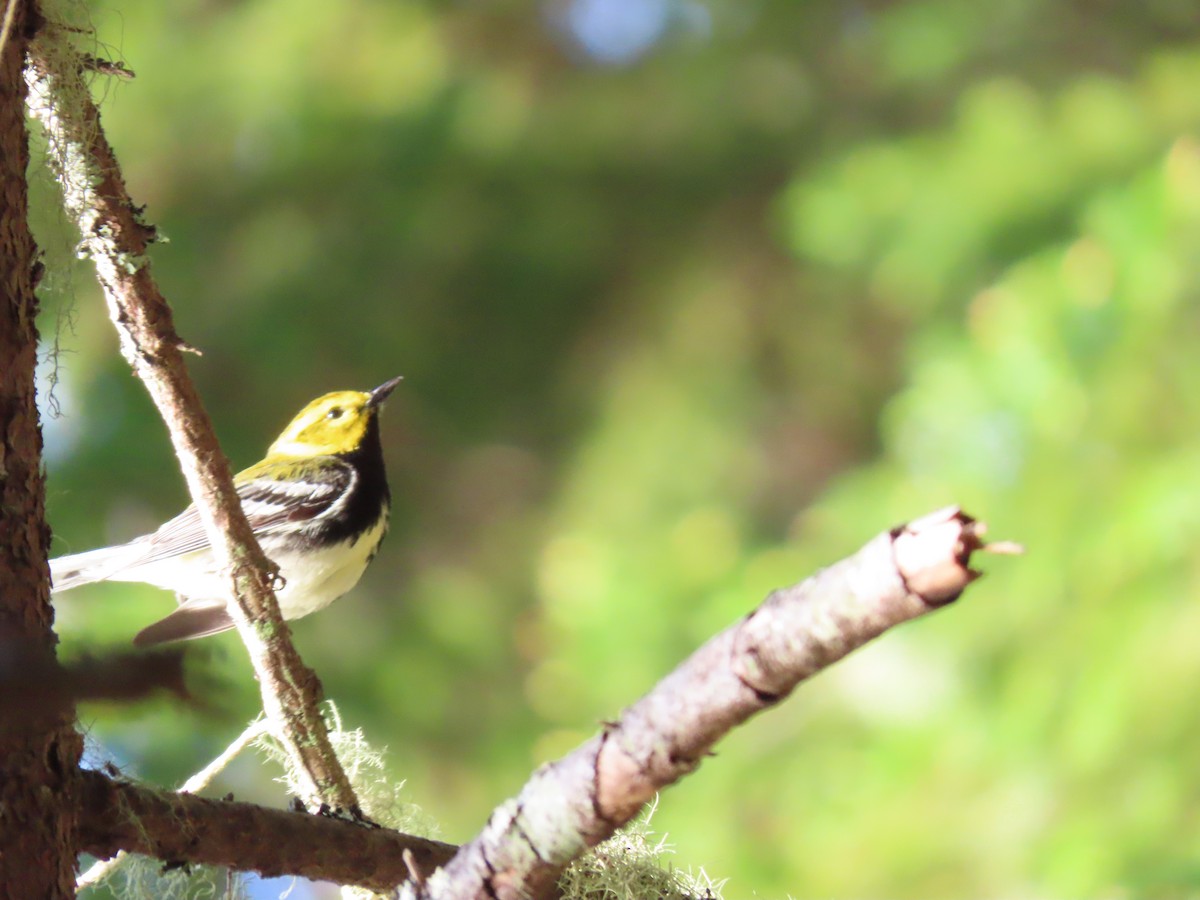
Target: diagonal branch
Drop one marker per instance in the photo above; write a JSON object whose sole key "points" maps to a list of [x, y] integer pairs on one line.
{"points": [[116, 239], [583, 798]]}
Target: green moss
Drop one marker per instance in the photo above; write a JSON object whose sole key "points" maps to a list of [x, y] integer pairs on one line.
{"points": [[631, 865]]}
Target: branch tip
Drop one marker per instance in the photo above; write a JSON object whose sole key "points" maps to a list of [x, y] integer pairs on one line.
{"points": [[933, 553]]}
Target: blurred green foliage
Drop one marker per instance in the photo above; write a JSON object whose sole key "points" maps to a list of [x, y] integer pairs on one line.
{"points": [[676, 331]]}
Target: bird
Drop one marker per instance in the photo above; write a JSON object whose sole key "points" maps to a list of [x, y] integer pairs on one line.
{"points": [[318, 503]]}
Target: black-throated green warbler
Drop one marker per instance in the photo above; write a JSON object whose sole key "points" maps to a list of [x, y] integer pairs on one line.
{"points": [[318, 504]]}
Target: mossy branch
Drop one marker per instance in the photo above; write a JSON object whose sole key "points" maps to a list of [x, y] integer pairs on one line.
{"points": [[115, 238]]}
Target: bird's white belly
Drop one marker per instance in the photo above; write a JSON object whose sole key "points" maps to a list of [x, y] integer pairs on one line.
{"points": [[315, 578]]}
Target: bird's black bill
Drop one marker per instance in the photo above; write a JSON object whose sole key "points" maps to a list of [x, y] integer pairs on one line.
{"points": [[381, 393]]}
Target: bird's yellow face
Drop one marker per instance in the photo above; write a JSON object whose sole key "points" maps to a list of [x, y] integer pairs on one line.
{"points": [[335, 423]]}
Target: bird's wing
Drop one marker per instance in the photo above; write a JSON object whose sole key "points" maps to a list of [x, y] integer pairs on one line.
{"points": [[272, 500]]}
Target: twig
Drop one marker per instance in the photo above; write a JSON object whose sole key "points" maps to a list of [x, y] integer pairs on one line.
{"points": [[247, 837], [116, 239], [10, 12], [116, 69], [204, 777], [101, 869], [583, 798]]}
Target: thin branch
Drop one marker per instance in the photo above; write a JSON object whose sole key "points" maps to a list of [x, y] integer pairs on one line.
{"points": [[101, 869], [204, 777], [118, 815], [116, 239], [583, 798]]}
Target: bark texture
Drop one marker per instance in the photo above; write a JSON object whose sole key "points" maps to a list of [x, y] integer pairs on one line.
{"points": [[39, 754], [172, 827]]}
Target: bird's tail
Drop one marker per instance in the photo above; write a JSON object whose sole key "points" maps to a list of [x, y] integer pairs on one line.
{"points": [[71, 571]]}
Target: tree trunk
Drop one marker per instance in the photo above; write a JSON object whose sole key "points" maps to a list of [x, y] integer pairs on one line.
{"points": [[39, 753]]}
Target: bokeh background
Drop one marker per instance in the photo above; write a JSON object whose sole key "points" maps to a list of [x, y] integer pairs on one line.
{"points": [[692, 297]]}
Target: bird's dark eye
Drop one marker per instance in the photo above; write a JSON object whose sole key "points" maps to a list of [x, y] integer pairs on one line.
{"points": [[335, 413]]}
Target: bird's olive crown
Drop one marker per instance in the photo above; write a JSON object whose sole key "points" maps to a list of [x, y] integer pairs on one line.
{"points": [[335, 423]]}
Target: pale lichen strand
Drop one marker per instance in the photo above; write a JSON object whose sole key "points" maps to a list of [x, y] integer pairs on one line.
{"points": [[56, 103]]}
